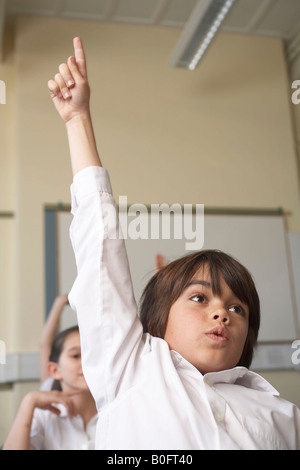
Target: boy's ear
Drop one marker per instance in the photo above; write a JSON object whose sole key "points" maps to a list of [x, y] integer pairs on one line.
{"points": [[53, 370]]}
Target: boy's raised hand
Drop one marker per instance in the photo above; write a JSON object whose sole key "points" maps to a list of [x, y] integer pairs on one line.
{"points": [[69, 89]]}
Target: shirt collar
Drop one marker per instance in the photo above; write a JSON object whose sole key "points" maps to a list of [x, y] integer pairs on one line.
{"points": [[62, 409], [241, 376], [64, 413], [238, 375]]}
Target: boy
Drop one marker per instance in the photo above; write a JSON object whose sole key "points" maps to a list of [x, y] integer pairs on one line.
{"points": [[179, 381]]}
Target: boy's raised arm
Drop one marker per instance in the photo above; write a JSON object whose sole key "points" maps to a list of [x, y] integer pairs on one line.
{"points": [[70, 94], [102, 295]]}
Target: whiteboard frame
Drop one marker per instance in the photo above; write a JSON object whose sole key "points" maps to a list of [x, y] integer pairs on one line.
{"points": [[248, 212]]}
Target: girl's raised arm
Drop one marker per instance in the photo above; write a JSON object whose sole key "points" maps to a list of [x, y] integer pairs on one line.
{"points": [[48, 333]]}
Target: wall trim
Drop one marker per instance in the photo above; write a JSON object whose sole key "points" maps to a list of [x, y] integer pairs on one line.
{"points": [[21, 367]]}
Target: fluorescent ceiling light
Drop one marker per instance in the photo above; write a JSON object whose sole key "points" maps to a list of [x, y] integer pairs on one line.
{"points": [[199, 32]]}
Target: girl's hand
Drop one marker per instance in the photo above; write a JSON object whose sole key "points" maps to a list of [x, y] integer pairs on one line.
{"points": [[19, 435], [47, 400], [160, 262], [70, 91]]}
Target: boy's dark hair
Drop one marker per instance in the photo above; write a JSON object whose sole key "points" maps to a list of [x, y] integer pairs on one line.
{"points": [[168, 283], [56, 350]]}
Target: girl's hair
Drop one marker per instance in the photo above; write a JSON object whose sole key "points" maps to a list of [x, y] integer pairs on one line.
{"points": [[56, 350], [165, 287]]}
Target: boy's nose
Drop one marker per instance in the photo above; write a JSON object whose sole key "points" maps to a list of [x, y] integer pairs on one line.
{"points": [[222, 315]]}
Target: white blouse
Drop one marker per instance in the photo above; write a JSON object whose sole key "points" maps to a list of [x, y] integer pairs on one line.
{"points": [[147, 396], [59, 432]]}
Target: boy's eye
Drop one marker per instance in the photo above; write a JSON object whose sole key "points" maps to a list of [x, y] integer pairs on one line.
{"points": [[198, 298], [237, 309]]}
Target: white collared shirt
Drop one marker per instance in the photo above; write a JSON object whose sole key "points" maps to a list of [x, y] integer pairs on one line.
{"points": [[147, 396], [59, 432]]}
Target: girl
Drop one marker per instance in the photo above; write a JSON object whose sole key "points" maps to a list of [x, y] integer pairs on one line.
{"points": [[180, 380], [63, 418]]}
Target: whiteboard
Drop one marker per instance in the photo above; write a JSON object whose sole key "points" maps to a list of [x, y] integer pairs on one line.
{"points": [[259, 242]]}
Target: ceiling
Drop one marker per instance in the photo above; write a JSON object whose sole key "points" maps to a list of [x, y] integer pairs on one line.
{"points": [[280, 18], [267, 17]]}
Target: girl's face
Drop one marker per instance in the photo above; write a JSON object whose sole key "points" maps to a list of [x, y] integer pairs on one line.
{"points": [[208, 330], [68, 369]]}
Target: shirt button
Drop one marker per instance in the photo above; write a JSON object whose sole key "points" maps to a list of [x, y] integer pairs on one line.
{"points": [[207, 381], [218, 416]]}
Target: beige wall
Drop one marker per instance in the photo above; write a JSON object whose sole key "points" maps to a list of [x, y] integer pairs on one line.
{"points": [[221, 136], [293, 52]]}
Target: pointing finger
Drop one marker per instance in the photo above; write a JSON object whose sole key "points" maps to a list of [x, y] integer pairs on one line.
{"points": [[80, 56]]}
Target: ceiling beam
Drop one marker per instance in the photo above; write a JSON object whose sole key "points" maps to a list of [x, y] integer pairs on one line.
{"points": [[110, 9], [58, 7], [257, 17], [160, 11]]}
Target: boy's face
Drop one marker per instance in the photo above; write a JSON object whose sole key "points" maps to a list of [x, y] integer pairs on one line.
{"points": [[208, 330]]}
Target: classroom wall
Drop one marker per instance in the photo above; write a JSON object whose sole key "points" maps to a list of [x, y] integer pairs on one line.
{"points": [[222, 136], [293, 51]]}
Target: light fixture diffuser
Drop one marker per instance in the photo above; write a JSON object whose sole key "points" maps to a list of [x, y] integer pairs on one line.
{"points": [[199, 32]]}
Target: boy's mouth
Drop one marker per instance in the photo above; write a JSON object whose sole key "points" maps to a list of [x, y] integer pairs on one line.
{"points": [[217, 334]]}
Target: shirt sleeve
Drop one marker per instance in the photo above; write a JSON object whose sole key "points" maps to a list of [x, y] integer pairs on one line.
{"points": [[102, 295]]}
